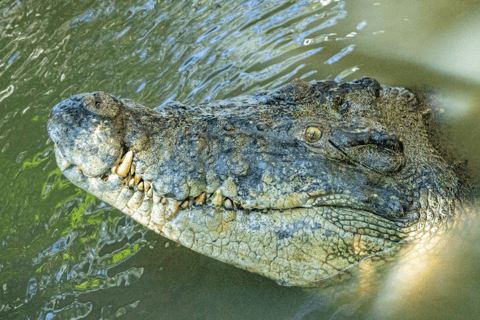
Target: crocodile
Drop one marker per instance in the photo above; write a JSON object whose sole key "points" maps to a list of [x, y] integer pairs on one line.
{"points": [[296, 183]]}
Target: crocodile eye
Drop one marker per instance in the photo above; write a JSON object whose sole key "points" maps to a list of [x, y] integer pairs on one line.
{"points": [[313, 134]]}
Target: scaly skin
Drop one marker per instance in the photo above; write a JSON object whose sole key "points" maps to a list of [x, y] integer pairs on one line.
{"points": [[296, 184]]}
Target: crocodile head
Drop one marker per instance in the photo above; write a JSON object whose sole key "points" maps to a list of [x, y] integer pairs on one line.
{"points": [[296, 184]]}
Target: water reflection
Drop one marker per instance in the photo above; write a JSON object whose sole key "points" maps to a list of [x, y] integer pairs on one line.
{"points": [[65, 255], [74, 265]]}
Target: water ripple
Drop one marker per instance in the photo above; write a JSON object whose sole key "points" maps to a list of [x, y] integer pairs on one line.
{"points": [[341, 54], [60, 245]]}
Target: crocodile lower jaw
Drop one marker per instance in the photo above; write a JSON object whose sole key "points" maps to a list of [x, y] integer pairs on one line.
{"points": [[292, 246]]}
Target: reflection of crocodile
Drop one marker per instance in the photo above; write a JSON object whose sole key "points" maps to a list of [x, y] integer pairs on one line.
{"points": [[295, 184]]}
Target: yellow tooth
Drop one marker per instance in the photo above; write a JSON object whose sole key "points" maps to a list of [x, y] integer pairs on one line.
{"points": [[124, 168], [217, 198], [172, 209], [200, 200], [140, 186], [132, 169], [147, 186], [164, 200], [150, 193], [114, 168], [137, 178], [228, 204], [131, 183], [184, 204]]}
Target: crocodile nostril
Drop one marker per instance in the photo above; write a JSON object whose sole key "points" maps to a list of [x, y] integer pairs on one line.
{"points": [[98, 102]]}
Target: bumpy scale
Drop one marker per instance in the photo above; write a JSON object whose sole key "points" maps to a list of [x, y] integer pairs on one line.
{"points": [[296, 184]]}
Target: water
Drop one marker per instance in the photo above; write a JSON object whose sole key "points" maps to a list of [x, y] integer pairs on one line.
{"points": [[66, 255]]}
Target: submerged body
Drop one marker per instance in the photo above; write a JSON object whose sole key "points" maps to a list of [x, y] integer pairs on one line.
{"points": [[296, 184]]}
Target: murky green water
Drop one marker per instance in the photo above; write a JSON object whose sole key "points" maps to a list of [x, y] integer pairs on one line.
{"points": [[66, 255]]}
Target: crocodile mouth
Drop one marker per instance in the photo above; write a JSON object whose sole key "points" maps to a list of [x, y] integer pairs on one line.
{"points": [[100, 147], [125, 172], [285, 184], [122, 187]]}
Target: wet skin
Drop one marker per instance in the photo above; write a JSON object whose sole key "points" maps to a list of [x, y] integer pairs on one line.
{"points": [[296, 184]]}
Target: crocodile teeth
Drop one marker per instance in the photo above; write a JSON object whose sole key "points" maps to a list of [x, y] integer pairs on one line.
{"points": [[173, 208], [217, 198], [124, 168], [131, 183], [164, 200], [123, 157], [132, 169], [150, 193], [140, 186], [156, 198], [137, 178], [184, 204], [147, 186], [228, 204], [200, 200], [114, 168]]}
